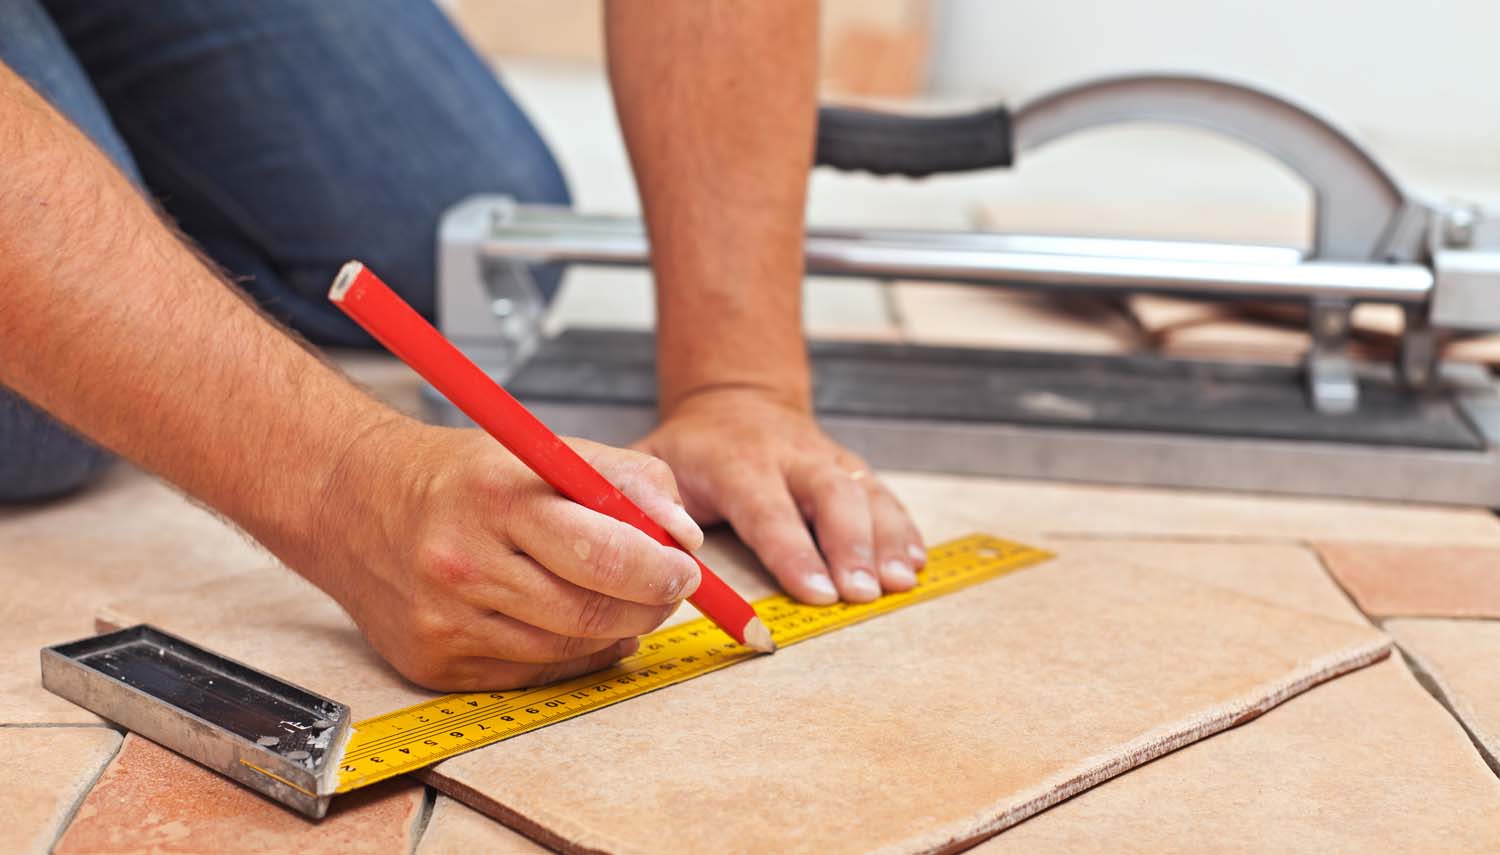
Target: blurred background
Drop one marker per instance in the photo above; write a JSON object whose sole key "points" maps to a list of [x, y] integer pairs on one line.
{"points": [[1415, 84]]}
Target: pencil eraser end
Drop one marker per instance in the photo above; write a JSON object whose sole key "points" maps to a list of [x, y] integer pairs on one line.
{"points": [[345, 280]]}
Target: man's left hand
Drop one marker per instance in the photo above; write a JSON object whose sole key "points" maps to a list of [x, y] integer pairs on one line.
{"points": [[813, 511]]}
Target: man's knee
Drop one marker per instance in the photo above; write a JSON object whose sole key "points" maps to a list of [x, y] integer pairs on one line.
{"points": [[39, 458]]}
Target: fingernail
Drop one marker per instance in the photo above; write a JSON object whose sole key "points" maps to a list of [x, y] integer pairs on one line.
{"points": [[863, 585], [628, 646], [822, 589], [686, 524], [917, 555], [900, 573]]}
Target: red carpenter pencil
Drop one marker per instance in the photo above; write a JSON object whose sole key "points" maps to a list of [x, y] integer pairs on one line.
{"points": [[383, 314]]}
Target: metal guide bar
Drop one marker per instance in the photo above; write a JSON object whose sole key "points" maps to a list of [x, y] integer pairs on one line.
{"points": [[409, 739]]}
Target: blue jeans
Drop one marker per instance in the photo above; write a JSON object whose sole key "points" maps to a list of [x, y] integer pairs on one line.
{"points": [[284, 137]]}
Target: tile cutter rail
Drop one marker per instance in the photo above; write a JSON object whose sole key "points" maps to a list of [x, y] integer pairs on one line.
{"points": [[1416, 429]]}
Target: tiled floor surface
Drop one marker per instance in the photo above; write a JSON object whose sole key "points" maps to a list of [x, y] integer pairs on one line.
{"points": [[1371, 761]]}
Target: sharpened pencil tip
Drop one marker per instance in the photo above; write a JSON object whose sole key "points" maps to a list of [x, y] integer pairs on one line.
{"points": [[757, 637]]}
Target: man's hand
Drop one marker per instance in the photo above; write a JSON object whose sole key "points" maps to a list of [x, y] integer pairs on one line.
{"points": [[466, 571], [765, 467]]}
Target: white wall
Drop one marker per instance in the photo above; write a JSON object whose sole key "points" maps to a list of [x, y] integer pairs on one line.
{"points": [[1418, 82]]}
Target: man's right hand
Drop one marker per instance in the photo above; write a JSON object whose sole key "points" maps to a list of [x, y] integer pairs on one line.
{"points": [[467, 572]]}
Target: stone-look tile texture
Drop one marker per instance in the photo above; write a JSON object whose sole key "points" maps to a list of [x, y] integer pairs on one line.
{"points": [[127, 536], [44, 772], [1284, 574], [976, 316], [1366, 763], [278, 622], [947, 506], [1392, 579], [920, 730], [1103, 624], [151, 801], [1461, 660], [456, 829]]}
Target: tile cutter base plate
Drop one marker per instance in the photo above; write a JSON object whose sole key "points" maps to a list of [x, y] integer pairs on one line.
{"points": [[1123, 420]]}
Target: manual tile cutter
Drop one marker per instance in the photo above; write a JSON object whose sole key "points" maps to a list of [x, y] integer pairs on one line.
{"points": [[1417, 429]]}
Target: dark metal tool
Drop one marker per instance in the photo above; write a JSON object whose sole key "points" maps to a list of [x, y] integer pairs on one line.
{"points": [[1413, 428], [270, 735]]}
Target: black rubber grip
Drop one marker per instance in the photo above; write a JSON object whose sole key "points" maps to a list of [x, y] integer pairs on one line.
{"points": [[915, 146]]}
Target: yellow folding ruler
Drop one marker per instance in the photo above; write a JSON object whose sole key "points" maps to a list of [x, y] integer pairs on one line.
{"points": [[409, 739]]}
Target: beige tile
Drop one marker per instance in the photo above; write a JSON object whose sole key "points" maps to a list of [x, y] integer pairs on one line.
{"points": [[44, 772], [966, 315], [919, 730], [1459, 659], [1284, 574], [1366, 763], [151, 800], [1389, 580], [456, 829], [835, 308], [129, 535], [277, 621], [947, 506]]}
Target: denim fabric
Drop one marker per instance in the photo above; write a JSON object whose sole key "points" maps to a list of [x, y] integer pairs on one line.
{"points": [[285, 137]]}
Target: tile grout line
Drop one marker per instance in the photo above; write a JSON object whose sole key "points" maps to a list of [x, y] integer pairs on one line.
{"points": [[893, 312], [1333, 577], [1429, 680], [424, 818], [72, 812]]}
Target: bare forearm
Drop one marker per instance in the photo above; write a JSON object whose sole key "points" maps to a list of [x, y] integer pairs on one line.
{"points": [[109, 322], [718, 104]]}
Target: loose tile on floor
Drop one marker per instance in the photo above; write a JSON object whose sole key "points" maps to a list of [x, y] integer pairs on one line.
{"points": [[975, 316], [1365, 763], [1458, 660], [1402, 580], [944, 721], [947, 506], [44, 773], [150, 800], [456, 829]]}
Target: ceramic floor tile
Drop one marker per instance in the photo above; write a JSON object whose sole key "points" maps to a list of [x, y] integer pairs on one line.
{"points": [[278, 622], [965, 315], [1391, 580], [919, 730], [456, 829], [1366, 763], [1458, 657], [1285, 574], [947, 506], [152, 801], [128, 535], [44, 772]]}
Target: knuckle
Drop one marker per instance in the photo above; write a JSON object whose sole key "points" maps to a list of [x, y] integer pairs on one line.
{"points": [[611, 561], [428, 673], [597, 614], [432, 631], [446, 564], [657, 472], [570, 647]]}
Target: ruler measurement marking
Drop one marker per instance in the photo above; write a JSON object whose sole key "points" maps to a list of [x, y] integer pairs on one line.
{"points": [[670, 656]]}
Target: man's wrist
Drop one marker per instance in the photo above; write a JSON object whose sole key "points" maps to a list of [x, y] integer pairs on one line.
{"points": [[792, 395]]}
